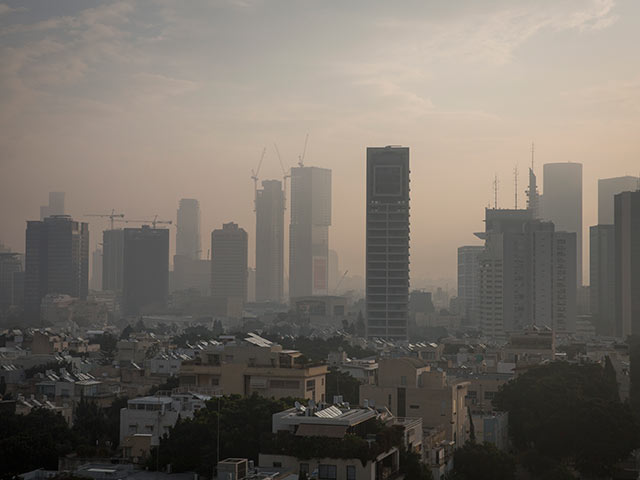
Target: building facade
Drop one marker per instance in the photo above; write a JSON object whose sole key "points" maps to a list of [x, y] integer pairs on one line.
{"points": [[55, 207], [609, 188], [627, 263], [602, 291], [562, 202], [229, 269], [146, 269], [112, 260], [270, 242], [188, 231], [57, 261], [309, 231], [387, 242], [469, 281]]}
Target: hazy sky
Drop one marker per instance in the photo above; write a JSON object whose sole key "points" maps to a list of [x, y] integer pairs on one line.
{"points": [[132, 105]]}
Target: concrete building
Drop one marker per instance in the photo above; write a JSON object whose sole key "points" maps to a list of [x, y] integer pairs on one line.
{"points": [[270, 242], [112, 260], [627, 263], [10, 269], [527, 274], [55, 207], [333, 423], [609, 188], [155, 415], [309, 231], [146, 269], [254, 365], [229, 269], [188, 229], [562, 202], [410, 387], [469, 282], [602, 291], [387, 242], [95, 283], [57, 261]]}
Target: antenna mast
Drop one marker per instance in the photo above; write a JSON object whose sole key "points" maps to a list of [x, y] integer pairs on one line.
{"points": [[495, 191], [515, 175], [532, 150]]}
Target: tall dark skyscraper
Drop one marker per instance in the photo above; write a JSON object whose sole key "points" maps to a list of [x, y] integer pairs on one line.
{"points": [[229, 269], [387, 232], [188, 233], [57, 260], [469, 281], [112, 259], [607, 189], [602, 289], [309, 231], [146, 269], [562, 202], [627, 266], [269, 241], [10, 268]]}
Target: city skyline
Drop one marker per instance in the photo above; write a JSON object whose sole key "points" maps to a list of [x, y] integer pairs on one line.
{"points": [[460, 135]]}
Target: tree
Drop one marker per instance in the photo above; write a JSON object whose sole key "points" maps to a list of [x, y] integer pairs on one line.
{"points": [[482, 462], [340, 383], [412, 467], [570, 413]]}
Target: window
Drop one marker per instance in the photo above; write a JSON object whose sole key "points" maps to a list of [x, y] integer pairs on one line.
{"points": [[215, 381], [351, 472], [311, 385], [277, 464], [327, 472], [403, 380], [286, 384], [489, 395], [415, 407]]}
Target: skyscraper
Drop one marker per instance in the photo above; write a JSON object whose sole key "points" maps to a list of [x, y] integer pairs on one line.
{"points": [[309, 231], [533, 196], [55, 207], [269, 241], [188, 232], [602, 263], [562, 202], [57, 260], [96, 270], [627, 264], [145, 279], [229, 269], [607, 189], [527, 274], [112, 259], [469, 281], [189, 270], [10, 265], [387, 238]]}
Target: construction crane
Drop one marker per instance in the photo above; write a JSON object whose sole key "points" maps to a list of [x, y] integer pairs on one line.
{"points": [[335, 290], [254, 177], [285, 175], [153, 222], [304, 151], [111, 216]]}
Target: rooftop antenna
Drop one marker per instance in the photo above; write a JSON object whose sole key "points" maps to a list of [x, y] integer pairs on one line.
{"points": [[254, 177], [532, 150], [495, 191], [515, 175]]}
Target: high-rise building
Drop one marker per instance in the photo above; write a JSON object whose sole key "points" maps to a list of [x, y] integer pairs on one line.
{"points": [[602, 274], [387, 238], [334, 271], [189, 270], [469, 281], [57, 260], [55, 207], [309, 231], [10, 265], [533, 196], [607, 189], [96, 270], [562, 202], [627, 263], [112, 259], [188, 231], [269, 241], [145, 279], [527, 274], [229, 269]]}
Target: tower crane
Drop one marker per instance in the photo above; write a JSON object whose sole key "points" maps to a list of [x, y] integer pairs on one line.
{"points": [[153, 222], [285, 175], [304, 151], [335, 290], [254, 177], [111, 216]]}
